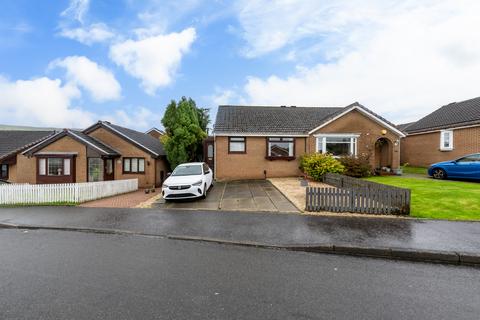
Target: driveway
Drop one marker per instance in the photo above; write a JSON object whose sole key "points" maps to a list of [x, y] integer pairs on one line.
{"points": [[251, 195]]}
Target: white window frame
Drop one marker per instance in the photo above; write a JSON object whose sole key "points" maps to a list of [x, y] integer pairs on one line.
{"points": [[442, 140], [323, 139]]}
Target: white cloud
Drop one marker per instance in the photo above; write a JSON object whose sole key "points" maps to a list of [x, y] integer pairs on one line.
{"points": [[154, 60], [41, 102], [401, 59], [141, 118], [94, 33], [76, 10], [97, 80]]}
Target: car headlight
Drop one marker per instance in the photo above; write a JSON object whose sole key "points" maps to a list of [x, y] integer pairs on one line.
{"points": [[198, 183], [164, 186]]}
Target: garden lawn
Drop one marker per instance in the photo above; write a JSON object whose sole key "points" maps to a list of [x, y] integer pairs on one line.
{"points": [[414, 170], [439, 199]]}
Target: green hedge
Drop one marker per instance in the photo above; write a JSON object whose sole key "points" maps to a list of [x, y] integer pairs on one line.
{"points": [[315, 165]]}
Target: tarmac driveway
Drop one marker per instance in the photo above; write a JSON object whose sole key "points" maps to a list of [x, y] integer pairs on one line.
{"points": [[250, 195]]}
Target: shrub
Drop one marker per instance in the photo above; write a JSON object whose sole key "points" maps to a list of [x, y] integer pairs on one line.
{"points": [[357, 167], [316, 165]]}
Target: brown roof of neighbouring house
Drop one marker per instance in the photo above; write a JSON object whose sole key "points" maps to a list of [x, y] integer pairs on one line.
{"points": [[140, 139], [79, 136], [280, 119], [452, 115], [14, 141]]}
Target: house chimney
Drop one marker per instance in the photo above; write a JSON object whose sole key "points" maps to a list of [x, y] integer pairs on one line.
{"points": [[283, 106], [293, 106]]}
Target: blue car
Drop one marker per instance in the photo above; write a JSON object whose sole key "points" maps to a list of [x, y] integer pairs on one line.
{"points": [[467, 167]]}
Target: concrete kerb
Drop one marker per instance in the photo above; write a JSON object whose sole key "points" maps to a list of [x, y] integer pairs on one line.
{"points": [[430, 256]]}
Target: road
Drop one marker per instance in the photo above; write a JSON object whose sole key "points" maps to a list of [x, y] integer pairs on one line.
{"points": [[48, 274]]}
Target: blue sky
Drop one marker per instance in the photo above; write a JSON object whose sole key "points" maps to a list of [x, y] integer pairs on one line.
{"points": [[70, 63]]}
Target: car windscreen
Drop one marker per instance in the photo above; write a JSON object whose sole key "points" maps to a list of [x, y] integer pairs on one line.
{"points": [[192, 170]]}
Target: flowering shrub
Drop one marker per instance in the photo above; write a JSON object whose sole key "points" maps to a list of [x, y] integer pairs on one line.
{"points": [[357, 167]]}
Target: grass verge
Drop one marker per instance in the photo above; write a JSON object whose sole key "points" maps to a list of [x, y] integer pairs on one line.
{"points": [[439, 199]]}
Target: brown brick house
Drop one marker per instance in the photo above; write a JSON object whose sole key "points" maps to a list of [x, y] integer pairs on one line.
{"points": [[448, 133], [103, 151], [255, 142]]}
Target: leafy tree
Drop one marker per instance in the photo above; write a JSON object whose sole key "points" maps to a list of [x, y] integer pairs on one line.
{"points": [[184, 132]]}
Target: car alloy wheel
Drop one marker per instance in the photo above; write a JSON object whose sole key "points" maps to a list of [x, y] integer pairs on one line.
{"points": [[439, 174]]}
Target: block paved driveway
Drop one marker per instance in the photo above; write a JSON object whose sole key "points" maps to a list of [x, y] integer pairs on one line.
{"points": [[251, 195]]}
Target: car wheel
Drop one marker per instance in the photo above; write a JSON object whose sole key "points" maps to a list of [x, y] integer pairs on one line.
{"points": [[204, 195], [439, 174]]}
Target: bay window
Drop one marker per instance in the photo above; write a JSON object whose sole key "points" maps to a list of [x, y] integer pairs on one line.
{"points": [[54, 166], [337, 144], [280, 148]]}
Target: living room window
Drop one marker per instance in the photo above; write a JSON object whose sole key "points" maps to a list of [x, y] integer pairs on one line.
{"points": [[4, 171], [133, 165], [54, 166], [237, 145], [337, 145], [446, 140], [280, 148]]}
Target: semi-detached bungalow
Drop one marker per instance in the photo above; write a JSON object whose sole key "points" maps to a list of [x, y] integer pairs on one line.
{"points": [[256, 142], [103, 151], [448, 133]]}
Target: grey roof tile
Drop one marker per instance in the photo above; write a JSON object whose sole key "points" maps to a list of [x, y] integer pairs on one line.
{"points": [[451, 115], [279, 120], [141, 138], [13, 141], [271, 119]]}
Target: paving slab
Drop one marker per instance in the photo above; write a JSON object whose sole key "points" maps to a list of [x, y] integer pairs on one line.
{"points": [[247, 195]]}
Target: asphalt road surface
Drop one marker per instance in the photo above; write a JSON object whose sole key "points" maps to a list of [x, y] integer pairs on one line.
{"points": [[76, 275]]}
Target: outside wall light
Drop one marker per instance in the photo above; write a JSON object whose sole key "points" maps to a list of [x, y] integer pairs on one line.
{"points": [[384, 132]]}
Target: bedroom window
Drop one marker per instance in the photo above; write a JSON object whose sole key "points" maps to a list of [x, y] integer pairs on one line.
{"points": [[337, 145], [133, 165], [237, 145], [280, 148], [446, 140]]}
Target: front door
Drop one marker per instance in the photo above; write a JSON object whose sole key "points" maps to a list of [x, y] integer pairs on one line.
{"points": [[209, 152], [108, 172]]}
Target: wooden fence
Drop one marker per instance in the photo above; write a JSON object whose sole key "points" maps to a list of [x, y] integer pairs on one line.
{"points": [[11, 194], [356, 195]]}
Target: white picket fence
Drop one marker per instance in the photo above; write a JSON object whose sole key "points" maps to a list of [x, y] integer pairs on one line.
{"points": [[63, 192]]}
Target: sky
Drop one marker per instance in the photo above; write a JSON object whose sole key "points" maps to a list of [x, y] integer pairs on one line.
{"points": [[71, 63]]}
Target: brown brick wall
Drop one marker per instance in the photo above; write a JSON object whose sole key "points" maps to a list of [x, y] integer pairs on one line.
{"points": [[252, 164], [67, 144], [126, 149], [424, 149], [370, 131], [25, 171]]}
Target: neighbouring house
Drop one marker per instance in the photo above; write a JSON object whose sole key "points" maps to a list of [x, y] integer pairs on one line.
{"points": [[256, 142], [156, 133], [448, 133], [103, 151], [13, 142]]}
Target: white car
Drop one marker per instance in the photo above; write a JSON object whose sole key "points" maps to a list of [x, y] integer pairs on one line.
{"points": [[188, 180]]}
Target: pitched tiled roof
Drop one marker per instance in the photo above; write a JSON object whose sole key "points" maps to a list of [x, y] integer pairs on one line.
{"points": [[452, 115], [270, 119], [282, 120], [79, 136], [99, 145], [404, 126], [142, 140], [13, 141]]}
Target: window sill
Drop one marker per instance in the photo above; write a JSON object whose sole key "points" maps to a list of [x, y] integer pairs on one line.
{"points": [[446, 150], [280, 158]]}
